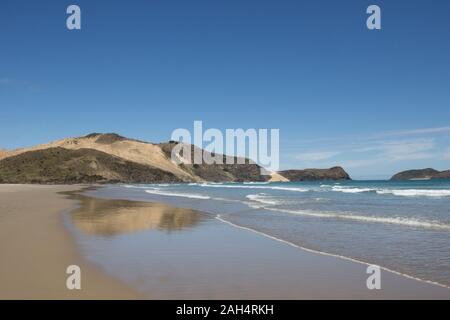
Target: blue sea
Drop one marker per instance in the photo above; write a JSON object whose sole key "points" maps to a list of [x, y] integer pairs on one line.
{"points": [[401, 226]]}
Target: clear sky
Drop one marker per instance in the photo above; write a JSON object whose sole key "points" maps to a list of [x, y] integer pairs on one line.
{"points": [[375, 102]]}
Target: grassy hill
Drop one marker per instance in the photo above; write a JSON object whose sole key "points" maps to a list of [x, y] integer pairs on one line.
{"points": [[59, 165], [335, 173]]}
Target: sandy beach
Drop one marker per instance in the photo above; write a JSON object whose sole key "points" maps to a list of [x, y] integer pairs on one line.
{"points": [[35, 249], [135, 249]]}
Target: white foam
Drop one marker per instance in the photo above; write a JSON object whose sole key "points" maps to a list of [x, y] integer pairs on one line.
{"points": [[410, 222], [173, 194], [255, 182], [207, 185], [351, 190], [396, 192], [129, 186], [416, 192], [219, 217], [263, 198], [143, 186]]}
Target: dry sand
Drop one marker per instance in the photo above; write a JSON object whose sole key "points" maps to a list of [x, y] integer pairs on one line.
{"points": [[35, 249]]}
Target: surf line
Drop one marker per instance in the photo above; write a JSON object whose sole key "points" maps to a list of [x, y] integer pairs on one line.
{"points": [[219, 218]]}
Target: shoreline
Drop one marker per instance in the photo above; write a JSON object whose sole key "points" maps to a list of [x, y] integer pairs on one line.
{"points": [[423, 289], [269, 269], [218, 217], [36, 248], [287, 242]]}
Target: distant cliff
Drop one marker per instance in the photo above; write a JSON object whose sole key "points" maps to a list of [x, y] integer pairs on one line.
{"points": [[335, 173], [246, 170], [421, 174]]}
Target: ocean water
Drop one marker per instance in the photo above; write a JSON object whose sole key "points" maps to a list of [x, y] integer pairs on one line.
{"points": [[401, 226]]}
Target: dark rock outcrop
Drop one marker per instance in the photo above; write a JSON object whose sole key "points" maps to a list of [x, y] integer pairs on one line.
{"points": [[245, 170], [335, 173], [444, 175]]}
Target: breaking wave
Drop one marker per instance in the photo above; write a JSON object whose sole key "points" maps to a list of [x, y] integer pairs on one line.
{"points": [[396, 192], [352, 190], [294, 189], [416, 192], [264, 199], [173, 194], [410, 222]]}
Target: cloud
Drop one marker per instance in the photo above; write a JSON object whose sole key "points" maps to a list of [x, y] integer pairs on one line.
{"points": [[447, 154], [375, 153], [316, 156], [417, 131], [359, 163], [5, 81], [19, 84], [366, 138], [406, 149], [395, 149]]}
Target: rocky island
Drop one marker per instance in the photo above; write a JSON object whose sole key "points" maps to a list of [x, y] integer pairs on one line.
{"points": [[421, 174]]}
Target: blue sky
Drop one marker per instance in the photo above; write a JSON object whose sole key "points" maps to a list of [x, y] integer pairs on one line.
{"points": [[375, 102]]}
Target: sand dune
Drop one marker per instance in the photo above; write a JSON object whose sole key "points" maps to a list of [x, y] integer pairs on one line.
{"points": [[276, 177], [131, 150], [153, 155]]}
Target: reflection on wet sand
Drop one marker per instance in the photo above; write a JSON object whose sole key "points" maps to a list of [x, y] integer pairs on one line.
{"points": [[113, 217]]}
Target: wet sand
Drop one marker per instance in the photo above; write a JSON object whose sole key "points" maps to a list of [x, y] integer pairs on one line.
{"points": [[35, 249], [173, 253], [131, 249]]}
